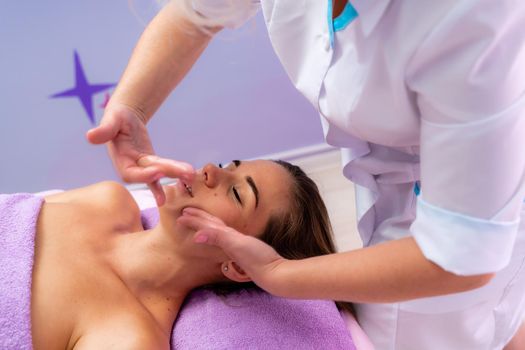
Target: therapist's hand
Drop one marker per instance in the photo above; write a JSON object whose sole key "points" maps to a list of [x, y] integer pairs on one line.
{"points": [[131, 151], [260, 261]]}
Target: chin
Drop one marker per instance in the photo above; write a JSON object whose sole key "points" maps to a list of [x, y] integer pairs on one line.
{"points": [[171, 209], [173, 199]]}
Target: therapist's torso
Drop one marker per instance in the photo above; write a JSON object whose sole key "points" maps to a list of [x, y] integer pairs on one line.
{"points": [[372, 78], [355, 76], [364, 78]]}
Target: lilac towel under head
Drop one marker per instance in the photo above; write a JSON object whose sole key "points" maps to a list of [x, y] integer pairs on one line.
{"points": [[18, 217], [255, 320]]}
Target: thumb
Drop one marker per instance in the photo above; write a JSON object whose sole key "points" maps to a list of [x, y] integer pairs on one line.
{"points": [[158, 193], [103, 133]]}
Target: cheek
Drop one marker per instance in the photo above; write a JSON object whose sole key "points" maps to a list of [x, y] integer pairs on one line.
{"points": [[231, 217], [225, 210]]}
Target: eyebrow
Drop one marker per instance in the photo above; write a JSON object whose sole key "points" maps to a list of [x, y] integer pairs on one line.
{"points": [[250, 182]]}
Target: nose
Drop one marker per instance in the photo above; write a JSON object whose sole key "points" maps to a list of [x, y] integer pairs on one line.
{"points": [[212, 175]]}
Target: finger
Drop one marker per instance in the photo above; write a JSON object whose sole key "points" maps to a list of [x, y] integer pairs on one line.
{"points": [[103, 133], [234, 244], [169, 167], [158, 193], [227, 239], [196, 223], [175, 169], [210, 237], [202, 214], [133, 174]]}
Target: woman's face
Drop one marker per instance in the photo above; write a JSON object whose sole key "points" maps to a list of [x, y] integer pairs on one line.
{"points": [[244, 194]]}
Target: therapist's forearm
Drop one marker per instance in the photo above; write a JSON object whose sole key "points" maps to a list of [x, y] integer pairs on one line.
{"points": [[389, 272], [166, 51]]}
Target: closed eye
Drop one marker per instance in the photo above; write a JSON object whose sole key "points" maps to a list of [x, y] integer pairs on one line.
{"points": [[236, 193]]}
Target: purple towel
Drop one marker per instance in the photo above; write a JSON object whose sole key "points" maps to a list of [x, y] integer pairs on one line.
{"points": [[249, 320], [258, 321], [255, 320], [18, 217]]}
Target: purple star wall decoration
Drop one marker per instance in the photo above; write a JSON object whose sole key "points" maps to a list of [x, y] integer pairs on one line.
{"points": [[83, 90]]}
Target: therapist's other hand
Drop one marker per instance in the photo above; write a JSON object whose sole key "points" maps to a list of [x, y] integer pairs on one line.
{"points": [[260, 261], [130, 149]]}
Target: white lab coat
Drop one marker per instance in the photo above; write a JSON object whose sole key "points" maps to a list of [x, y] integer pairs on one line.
{"points": [[428, 91]]}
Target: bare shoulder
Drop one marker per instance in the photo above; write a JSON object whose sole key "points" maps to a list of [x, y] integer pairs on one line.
{"points": [[134, 339], [106, 193], [84, 193], [108, 201], [122, 331]]}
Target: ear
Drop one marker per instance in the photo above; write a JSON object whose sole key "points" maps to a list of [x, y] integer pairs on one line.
{"points": [[234, 272]]}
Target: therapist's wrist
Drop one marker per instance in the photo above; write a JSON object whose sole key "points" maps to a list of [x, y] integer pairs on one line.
{"points": [[129, 109], [281, 281]]}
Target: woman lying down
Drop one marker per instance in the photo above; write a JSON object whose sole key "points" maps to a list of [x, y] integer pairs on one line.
{"points": [[99, 280]]}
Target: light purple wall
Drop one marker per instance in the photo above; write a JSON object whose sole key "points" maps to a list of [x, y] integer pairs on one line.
{"points": [[236, 103]]}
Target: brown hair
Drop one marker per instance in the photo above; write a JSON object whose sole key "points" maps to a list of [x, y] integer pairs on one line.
{"points": [[303, 231]]}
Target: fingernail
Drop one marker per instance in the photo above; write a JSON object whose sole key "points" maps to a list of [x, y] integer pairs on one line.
{"points": [[201, 239]]}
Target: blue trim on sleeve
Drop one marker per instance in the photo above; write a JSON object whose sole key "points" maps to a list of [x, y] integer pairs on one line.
{"points": [[417, 188], [462, 244]]}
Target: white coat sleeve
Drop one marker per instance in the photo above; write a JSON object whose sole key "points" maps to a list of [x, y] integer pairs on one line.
{"points": [[468, 80], [228, 13]]}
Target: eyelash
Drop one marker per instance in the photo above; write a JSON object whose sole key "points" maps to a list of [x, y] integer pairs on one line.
{"points": [[236, 162], [235, 192]]}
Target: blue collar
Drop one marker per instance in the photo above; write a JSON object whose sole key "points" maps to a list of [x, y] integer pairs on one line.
{"points": [[348, 15], [340, 22]]}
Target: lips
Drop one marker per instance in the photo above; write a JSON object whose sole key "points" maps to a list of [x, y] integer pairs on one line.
{"points": [[183, 187], [188, 189]]}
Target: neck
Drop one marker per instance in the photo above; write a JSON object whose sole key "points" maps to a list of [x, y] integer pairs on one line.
{"points": [[154, 268]]}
